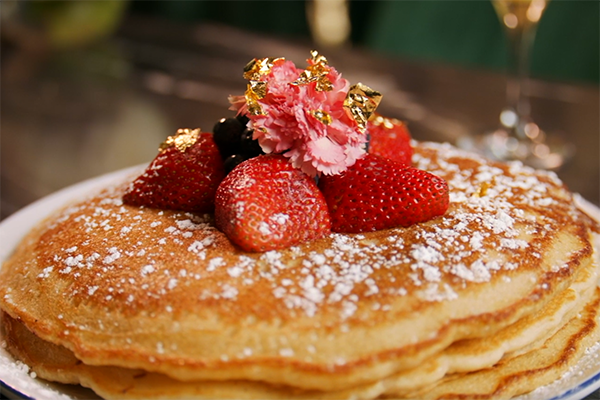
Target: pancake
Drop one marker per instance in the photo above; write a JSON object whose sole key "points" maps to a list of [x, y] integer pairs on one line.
{"points": [[526, 372], [510, 377], [163, 295], [513, 375]]}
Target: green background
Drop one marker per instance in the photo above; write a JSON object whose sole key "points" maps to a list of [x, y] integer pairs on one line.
{"points": [[465, 33]]}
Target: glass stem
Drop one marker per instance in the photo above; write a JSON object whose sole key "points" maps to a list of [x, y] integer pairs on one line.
{"points": [[520, 43]]}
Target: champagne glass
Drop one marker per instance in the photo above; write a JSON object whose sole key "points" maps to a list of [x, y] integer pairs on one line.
{"points": [[518, 137]]}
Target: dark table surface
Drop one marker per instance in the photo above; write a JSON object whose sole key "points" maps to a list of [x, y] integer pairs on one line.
{"points": [[70, 116]]}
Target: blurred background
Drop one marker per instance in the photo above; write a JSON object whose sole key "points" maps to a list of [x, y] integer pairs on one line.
{"points": [[465, 33], [90, 87]]}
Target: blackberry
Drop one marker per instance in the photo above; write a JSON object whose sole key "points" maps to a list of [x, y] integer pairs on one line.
{"points": [[248, 146], [226, 134], [233, 161], [243, 119], [234, 141]]}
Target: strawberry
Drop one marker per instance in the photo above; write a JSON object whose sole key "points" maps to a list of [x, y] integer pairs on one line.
{"points": [[183, 176], [390, 138], [265, 204], [377, 193]]}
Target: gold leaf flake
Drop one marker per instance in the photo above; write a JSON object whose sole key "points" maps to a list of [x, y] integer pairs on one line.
{"points": [[318, 58], [387, 122], [254, 72], [259, 88], [182, 140], [361, 101], [317, 72], [483, 189], [253, 96], [255, 69], [322, 116]]}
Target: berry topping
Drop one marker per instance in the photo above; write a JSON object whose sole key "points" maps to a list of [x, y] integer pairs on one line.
{"points": [[233, 161], [183, 176], [227, 134], [243, 119], [311, 123], [390, 138], [377, 193], [249, 147], [235, 141], [265, 204]]}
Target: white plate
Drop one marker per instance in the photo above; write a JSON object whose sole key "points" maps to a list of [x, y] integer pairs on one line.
{"points": [[575, 384]]}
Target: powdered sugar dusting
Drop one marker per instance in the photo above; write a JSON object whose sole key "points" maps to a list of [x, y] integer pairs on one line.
{"points": [[490, 205], [122, 257]]}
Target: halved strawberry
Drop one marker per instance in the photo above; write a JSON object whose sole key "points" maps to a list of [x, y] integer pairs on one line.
{"points": [[265, 204], [377, 193], [390, 138], [183, 176]]}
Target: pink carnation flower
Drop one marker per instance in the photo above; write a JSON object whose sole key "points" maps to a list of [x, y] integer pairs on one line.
{"points": [[307, 124]]}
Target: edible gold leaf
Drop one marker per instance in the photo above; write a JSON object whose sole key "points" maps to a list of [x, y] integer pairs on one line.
{"points": [[388, 123], [483, 189], [182, 140], [256, 68], [318, 75], [305, 78], [318, 58], [323, 83], [322, 116], [317, 72], [362, 101], [259, 88], [252, 97]]}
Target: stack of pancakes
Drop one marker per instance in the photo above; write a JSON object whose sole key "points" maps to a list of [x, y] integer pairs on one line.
{"points": [[497, 297]]}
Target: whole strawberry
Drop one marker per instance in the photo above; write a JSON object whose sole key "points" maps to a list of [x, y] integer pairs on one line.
{"points": [[265, 204], [390, 138], [377, 193], [183, 176]]}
